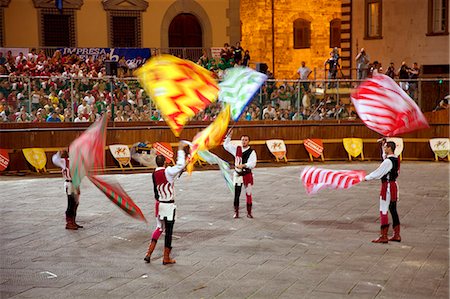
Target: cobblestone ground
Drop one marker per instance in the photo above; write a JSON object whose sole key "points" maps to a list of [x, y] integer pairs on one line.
{"points": [[295, 247]]}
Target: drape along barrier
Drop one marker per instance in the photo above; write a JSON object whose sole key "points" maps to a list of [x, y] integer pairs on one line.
{"points": [[398, 146], [165, 149], [179, 88], [144, 154], [277, 148], [4, 159], [314, 147], [122, 154], [36, 157], [314, 179], [385, 108], [238, 88], [87, 152], [118, 196], [354, 147], [441, 148]]}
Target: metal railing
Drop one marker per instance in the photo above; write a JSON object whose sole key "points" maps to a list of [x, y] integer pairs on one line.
{"points": [[292, 99]]}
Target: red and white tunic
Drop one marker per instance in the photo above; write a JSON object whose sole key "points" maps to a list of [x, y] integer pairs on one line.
{"points": [[242, 155], [65, 170], [163, 181]]}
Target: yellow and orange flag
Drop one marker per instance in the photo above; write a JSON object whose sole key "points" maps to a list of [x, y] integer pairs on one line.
{"points": [[210, 137], [180, 88]]}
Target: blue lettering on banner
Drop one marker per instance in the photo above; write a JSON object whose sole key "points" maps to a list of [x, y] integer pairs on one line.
{"points": [[132, 55]]}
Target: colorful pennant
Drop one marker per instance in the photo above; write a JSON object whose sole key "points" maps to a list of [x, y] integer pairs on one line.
{"points": [[223, 166], [386, 108], [118, 196], [87, 152], [238, 88], [314, 179], [180, 88]]}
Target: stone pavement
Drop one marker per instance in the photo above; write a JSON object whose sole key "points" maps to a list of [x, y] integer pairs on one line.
{"points": [[295, 247]]}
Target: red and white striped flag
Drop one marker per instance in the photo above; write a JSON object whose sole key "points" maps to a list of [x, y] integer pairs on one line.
{"points": [[386, 108], [315, 179]]}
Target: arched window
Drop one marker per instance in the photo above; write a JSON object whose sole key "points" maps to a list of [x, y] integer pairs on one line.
{"points": [[335, 33], [185, 31], [302, 34]]}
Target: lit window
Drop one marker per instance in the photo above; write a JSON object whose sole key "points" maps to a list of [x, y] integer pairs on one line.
{"points": [[302, 34], [437, 17], [335, 33], [373, 19]]}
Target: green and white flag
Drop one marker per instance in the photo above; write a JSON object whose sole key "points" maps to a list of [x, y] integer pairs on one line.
{"points": [[238, 88]]}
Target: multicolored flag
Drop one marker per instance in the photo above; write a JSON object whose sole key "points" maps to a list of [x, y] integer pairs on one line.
{"points": [[238, 88], [224, 167], [118, 196], [180, 88], [213, 135], [315, 179], [87, 152], [386, 108]]}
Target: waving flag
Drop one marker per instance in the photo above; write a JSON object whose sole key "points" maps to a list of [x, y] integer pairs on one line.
{"points": [[238, 88], [118, 196], [223, 166], [180, 88], [386, 108], [213, 135], [315, 179], [87, 152]]}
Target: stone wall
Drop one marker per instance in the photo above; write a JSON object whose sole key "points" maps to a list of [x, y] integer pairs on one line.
{"points": [[256, 21]]}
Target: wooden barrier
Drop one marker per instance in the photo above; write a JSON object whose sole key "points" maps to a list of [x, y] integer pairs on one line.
{"points": [[16, 136]]}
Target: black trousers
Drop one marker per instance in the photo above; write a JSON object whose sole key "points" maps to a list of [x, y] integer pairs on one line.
{"points": [[394, 214], [237, 194], [71, 206], [169, 231]]}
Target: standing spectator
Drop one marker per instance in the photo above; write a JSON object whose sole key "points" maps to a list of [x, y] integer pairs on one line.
{"points": [[225, 53], [2, 59], [362, 64], [19, 58], [413, 85], [390, 72], [122, 67], [238, 53], [403, 74], [246, 58], [32, 56], [333, 65], [303, 73], [203, 60]]}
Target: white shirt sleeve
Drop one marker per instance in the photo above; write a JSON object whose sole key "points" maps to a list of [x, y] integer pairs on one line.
{"points": [[229, 147], [378, 173], [58, 161], [172, 171], [251, 163]]}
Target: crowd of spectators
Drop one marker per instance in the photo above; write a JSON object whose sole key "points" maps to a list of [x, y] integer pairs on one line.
{"points": [[66, 88]]}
